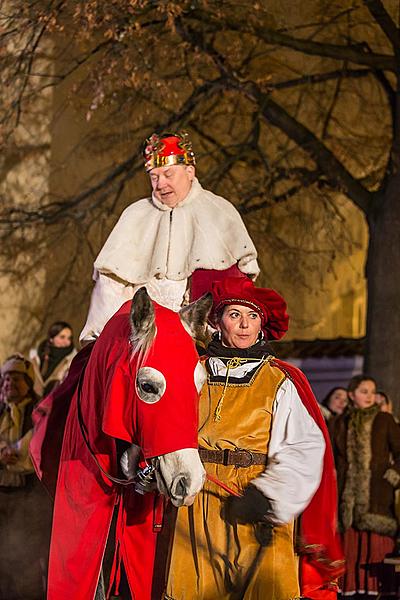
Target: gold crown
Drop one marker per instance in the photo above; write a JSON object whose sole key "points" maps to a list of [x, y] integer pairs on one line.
{"points": [[168, 149]]}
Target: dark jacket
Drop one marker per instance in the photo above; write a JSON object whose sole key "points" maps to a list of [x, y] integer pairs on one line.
{"points": [[366, 445]]}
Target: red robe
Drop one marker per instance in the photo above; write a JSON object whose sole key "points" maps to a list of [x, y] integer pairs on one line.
{"points": [[85, 498], [322, 558]]}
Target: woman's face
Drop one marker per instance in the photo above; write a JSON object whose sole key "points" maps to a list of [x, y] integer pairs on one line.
{"points": [[364, 395], [338, 401], [239, 326], [62, 339]]}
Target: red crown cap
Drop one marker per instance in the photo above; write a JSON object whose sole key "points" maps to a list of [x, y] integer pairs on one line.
{"points": [[269, 304], [168, 149]]}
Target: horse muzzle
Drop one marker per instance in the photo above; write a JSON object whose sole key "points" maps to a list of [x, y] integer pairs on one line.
{"points": [[181, 476]]}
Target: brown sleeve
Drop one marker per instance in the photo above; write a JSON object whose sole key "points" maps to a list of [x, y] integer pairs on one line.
{"points": [[392, 474], [338, 432]]}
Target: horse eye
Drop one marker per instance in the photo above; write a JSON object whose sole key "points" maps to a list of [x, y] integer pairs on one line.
{"points": [[150, 384], [148, 388]]}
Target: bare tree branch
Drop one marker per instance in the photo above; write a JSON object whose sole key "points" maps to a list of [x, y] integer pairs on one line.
{"points": [[276, 115], [322, 77], [331, 108], [355, 53], [308, 178], [55, 211], [386, 23]]}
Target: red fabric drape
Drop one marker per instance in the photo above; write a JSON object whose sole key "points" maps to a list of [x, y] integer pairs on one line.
{"points": [[84, 497], [322, 557]]}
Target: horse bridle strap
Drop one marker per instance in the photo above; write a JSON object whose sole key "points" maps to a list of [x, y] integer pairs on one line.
{"points": [[131, 480], [85, 436]]}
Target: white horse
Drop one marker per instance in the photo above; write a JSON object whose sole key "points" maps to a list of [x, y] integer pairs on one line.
{"points": [[140, 392]]}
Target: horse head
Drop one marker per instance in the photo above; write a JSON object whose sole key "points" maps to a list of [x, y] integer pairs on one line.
{"points": [[168, 378], [138, 386]]}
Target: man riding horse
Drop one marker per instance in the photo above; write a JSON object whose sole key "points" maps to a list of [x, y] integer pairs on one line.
{"points": [[174, 243], [170, 242]]}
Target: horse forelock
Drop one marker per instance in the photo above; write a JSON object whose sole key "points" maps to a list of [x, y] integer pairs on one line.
{"points": [[142, 341], [165, 326]]}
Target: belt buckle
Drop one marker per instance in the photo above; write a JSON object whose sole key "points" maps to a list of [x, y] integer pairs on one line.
{"points": [[225, 457], [249, 454]]}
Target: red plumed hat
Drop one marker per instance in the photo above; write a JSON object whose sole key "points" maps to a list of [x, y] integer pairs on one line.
{"points": [[269, 304], [168, 149]]}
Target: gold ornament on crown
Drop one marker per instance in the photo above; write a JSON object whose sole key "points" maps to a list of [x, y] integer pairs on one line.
{"points": [[154, 146]]}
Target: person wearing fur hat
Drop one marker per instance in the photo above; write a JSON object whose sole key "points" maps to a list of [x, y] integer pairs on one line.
{"points": [[266, 451], [170, 240], [25, 509], [17, 377]]}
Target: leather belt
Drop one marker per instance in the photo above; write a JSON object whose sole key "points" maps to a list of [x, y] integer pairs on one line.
{"points": [[238, 457]]}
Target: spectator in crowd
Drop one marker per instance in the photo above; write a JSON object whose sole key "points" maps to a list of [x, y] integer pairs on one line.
{"points": [[263, 440], [15, 422], [171, 241], [25, 508], [384, 402], [53, 357], [2, 402], [334, 402], [366, 444]]}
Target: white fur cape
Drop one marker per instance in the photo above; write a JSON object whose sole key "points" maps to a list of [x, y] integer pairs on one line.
{"points": [[204, 231]]}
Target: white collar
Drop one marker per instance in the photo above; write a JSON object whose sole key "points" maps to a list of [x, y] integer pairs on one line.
{"points": [[218, 367]]}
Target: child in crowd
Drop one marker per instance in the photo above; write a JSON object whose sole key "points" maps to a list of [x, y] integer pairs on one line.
{"points": [[366, 445]]}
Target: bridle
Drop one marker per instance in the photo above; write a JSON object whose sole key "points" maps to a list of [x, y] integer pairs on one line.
{"points": [[144, 476], [141, 478]]}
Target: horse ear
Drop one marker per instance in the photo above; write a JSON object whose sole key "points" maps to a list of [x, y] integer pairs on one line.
{"points": [[142, 316], [194, 316]]}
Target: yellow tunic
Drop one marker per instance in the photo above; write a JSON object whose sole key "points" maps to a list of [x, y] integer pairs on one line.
{"points": [[211, 559]]}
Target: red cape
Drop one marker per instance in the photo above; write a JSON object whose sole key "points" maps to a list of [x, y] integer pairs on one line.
{"points": [[84, 497], [322, 558]]}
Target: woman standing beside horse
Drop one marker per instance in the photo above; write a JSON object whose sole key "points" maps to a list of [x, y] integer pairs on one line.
{"points": [[267, 456]]}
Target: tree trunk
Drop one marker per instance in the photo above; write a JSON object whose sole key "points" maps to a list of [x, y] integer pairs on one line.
{"points": [[382, 359]]}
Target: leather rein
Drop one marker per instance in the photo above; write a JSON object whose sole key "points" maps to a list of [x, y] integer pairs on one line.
{"points": [[125, 482], [147, 471]]}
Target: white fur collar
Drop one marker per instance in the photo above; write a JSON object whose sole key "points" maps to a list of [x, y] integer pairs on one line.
{"points": [[150, 240]]}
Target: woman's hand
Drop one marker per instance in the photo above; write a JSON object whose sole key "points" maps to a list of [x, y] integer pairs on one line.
{"points": [[253, 507]]}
